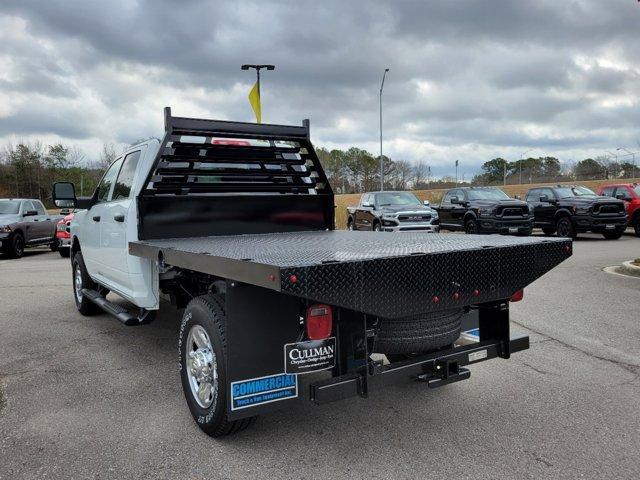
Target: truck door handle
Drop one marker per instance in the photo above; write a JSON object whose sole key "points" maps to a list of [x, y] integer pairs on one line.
{"points": [[119, 217], [96, 218]]}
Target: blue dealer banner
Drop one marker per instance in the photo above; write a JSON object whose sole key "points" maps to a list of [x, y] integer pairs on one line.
{"points": [[258, 391]]}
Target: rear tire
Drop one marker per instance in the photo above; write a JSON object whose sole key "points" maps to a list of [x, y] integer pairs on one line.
{"points": [[636, 226], [548, 231], [612, 235], [565, 228], [16, 246], [418, 333], [471, 226], [81, 279], [64, 252], [202, 360], [55, 245], [376, 227]]}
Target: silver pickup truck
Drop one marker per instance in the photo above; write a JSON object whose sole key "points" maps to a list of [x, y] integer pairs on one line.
{"points": [[24, 223]]}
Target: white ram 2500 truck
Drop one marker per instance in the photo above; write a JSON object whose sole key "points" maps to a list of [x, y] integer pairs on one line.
{"points": [[234, 223]]}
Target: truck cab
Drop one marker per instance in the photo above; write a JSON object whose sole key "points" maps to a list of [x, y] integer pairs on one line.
{"points": [[104, 229]]}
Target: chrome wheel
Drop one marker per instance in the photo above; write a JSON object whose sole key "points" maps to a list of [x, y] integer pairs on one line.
{"points": [[202, 369], [77, 283]]}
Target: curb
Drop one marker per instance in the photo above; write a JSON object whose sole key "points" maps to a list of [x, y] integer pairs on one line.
{"points": [[629, 268]]}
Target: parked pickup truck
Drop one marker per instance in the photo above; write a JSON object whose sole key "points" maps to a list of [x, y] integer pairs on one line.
{"points": [[392, 212], [278, 306], [568, 210], [484, 210], [24, 222], [629, 193]]}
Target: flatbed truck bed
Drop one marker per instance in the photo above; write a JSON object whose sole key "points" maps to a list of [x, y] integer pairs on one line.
{"points": [[368, 271]]}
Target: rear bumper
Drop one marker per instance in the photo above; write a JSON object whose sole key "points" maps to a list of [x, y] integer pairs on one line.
{"points": [[599, 224], [436, 369], [495, 225]]}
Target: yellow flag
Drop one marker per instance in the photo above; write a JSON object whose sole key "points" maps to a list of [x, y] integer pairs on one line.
{"points": [[254, 100]]}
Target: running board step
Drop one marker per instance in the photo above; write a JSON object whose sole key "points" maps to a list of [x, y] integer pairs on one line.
{"points": [[113, 309]]}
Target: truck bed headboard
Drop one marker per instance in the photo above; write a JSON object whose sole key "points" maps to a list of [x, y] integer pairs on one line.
{"points": [[215, 177]]}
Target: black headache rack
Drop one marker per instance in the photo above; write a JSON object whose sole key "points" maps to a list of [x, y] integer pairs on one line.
{"points": [[215, 177]]}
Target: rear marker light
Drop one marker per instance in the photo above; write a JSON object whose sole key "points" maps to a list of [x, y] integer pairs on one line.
{"points": [[567, 248], [516, 297], [293, 279], [435, 300], [319, 322], [476, 293], [456, 296], [272, 277]]}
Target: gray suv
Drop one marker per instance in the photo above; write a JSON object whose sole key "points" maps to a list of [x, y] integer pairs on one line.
{"points": [[25, 223]]}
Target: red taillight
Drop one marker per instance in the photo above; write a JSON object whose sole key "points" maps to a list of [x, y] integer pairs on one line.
{"points": [[319, 322], [516, 297]]}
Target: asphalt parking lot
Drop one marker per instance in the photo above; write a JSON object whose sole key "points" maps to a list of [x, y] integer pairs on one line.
{"points": [[86, 397]]}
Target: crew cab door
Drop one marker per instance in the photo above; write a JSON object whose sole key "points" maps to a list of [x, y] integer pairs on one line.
{"points": [[364, 213], [114, 223], [544, 211], [445, 208], [458, 210], [89, 227], [45, 227]]}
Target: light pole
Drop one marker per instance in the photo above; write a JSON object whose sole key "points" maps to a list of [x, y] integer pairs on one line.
{"points": [[521, 157], [258, 68], [381, 161], [633, 160], [456, 172]]}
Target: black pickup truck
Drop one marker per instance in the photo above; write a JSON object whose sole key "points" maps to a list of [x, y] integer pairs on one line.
{"points": [[392, 211], [568, 210], [234, 223], [484, 210]]}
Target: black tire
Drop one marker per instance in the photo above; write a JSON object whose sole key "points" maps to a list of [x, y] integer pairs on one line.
{"points": [[526, 233], [376, 226], [418, 333], [565, 228], [16, 246], [55, 245], [612, 235], [350, 225], [636, 225], [83, 304], [64, 252], [207, 311], [471, 226], [548, 230]]}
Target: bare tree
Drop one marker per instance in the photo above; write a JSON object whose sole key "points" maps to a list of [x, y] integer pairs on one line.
{"points": [[107, 156], [420, 170]]}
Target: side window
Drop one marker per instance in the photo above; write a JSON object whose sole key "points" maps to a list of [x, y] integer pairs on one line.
{"points": [[533, 195], [107, 181], [548, 192], [39, 208], [27, 206], [607, 192], [623, 191], [366, 198], [447, 197], [125, 177]]}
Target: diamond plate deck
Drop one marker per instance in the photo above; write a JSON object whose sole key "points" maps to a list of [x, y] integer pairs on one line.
{"points": [[388, 275]]}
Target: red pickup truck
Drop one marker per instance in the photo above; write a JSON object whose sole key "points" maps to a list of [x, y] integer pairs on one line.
{"points": [[630, 194]]}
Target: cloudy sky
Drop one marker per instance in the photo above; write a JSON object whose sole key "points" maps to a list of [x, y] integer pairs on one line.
{"points": [[469, 79]]}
